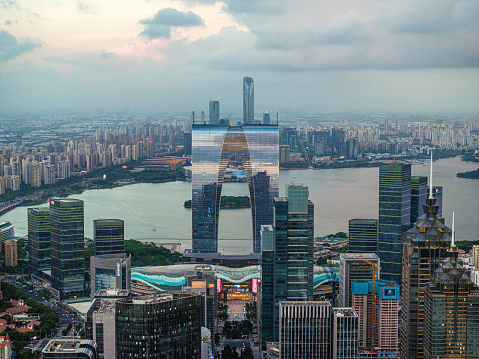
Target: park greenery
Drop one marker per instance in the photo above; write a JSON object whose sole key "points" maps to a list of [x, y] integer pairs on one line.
{"points": [[222, 311], [228, 202], [143, 255], [251, 312], [229, 353], [48, 318], [466, 245], [237, 330]]}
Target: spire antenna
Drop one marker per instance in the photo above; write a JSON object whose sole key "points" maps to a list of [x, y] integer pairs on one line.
{"points": [[430, 180], [452, 238]]}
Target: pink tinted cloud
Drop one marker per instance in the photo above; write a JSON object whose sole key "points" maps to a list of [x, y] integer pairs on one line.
{"points": [[149, 50]]}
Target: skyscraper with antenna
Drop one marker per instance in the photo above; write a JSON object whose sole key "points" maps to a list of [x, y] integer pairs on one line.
{"points": [[427, 244]]}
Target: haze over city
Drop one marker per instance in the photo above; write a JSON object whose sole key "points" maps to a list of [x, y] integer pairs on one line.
{"points": [[403, 56]]}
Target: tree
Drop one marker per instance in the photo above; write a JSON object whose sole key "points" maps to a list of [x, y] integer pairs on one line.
{"points": [[229, 353], [247, 353]]}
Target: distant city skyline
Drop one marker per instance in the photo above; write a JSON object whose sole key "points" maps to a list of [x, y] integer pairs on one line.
{"points": [[173, 55]]}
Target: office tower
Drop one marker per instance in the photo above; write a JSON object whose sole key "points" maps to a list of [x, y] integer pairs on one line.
{"points": [[266, 294], [377, 306], [292, 272], [248, 100], [437, 193], [213, 146], [396, 126], [451, 311], [304, 330], [345, 333], [187, 143], [70, 348], [109, 236], [110, 271], [11, 258], [394, 216], [355, 266], [283, 154], [352, 148], [386, 126], [67, 243], [418, 197], [363, 236], [7, 232], [100, 321], [427, 243], [162, 326], [202, 117], [214, 112], [266, 119]]}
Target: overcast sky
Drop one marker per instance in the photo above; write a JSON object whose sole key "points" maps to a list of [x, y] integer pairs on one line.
{"points": [[312, 55]]}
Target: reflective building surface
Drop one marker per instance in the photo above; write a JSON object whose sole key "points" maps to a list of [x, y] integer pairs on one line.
{"points": [[213, 146], [248, 100]]}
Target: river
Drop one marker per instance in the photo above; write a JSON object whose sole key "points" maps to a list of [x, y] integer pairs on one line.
{"points": [[338, 195]]}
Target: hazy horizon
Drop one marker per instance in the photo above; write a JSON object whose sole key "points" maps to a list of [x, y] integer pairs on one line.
{"points": [[172, 56]]}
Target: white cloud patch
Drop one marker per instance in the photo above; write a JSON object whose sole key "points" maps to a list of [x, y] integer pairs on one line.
{"points": [[86, 8]]}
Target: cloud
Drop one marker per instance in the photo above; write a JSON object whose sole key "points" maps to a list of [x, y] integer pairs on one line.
{"points": [[254, 7], [7, 4], [85, 8], [10, 47], [164, 20], [11, 22]]}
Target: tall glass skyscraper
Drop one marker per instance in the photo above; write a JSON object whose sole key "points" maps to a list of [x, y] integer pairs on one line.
{"points": [[418, 196], [109, 236], [363, 235], [213, 147], [248, 100], [39, 239], [394, 216], [67, 241]]}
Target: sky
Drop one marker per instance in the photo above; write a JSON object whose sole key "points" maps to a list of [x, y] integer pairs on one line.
{"points": [[417, 56]]}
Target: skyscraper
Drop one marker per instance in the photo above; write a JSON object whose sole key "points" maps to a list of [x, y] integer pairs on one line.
{"points": [[214, 112], [248, 100], [109, 236], [451, 311], [162, 326], [426, 246], [394, 216], [418, 196], [11, 258], [213, 146], [109, 271], [355, 266], [67, 242], [39, 239], [344, 338], [363, 236], [292, 272]]}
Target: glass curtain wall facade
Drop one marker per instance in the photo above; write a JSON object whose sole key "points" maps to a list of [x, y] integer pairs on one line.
{"points": [[39, 239], [67, 241], [213, 147], [394, 216], [418, 196], [248, 100], [109, 236], [363, 235], [157, 327]]}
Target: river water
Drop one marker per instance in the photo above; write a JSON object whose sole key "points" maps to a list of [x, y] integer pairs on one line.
{"points": [[338, 195]]}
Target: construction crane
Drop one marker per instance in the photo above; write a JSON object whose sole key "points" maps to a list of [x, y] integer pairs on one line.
{"points": [[376, 268]]}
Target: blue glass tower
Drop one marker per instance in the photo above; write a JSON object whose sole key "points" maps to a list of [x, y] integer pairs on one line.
{"points": [[248, 100], [213, 146], [394, 216]]}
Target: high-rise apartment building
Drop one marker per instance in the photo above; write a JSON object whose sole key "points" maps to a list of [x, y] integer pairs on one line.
{"points": [[475, 255], [377, 306], [418, 196], [159, 326], [355, 266], [248, 100], [426, 246], [394, 216], [109, 236], [292, 272], [451, 312], [283, 154], [39, 239], [363, 236], [11, 257], [213, 146], [67, 243], [214, 112]]}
